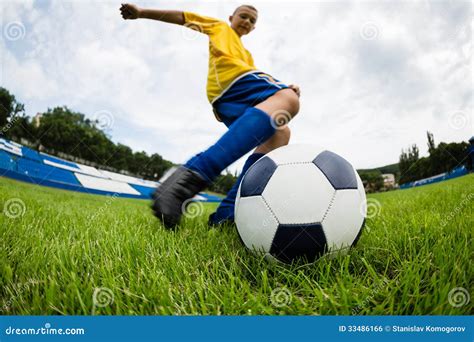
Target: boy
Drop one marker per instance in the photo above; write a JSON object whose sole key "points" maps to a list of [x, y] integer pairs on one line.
{"points": [[249, 102]]}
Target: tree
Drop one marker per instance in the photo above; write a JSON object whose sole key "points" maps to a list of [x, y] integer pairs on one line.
{"points": [[431, 142], [372, 179], [223, 183], [448, 156], [62, 130], [157, 166], [407, 162], [140, 163], [9, 108], [122, 157], [20, 127]]}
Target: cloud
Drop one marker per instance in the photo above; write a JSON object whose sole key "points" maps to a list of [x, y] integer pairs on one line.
{"points": [[374, 75]]}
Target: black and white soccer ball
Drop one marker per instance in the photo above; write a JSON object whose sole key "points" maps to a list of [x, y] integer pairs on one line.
{"points": [[299, 201]]}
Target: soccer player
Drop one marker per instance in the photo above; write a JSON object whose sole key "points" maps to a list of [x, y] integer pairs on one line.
{"points": [[253, 105]]}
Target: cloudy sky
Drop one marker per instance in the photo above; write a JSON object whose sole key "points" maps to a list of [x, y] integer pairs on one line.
{"points": [[374, 76]]}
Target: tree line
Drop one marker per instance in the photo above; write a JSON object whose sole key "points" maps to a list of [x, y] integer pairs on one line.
{"points": [[64, 131], [442, 158]]}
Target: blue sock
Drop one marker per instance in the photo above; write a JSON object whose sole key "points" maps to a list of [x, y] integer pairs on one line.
{"points": [[253, 128], [225, 211]]}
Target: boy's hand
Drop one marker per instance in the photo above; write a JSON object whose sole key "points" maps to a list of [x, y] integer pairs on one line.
{"points": [[129, 11], [295, 88]]}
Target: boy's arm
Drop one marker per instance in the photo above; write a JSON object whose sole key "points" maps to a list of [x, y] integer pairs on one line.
{"points": [[130, 11]]}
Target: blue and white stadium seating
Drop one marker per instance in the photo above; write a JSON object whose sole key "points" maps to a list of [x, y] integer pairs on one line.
{"points": [[457, 172], [22, 163]]}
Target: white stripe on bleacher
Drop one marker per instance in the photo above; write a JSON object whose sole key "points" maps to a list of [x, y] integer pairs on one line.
{"points": [[15, 144], [199, 198], [11, 149], [128, 179], [61, 166], [89, 170], [91, 182]]}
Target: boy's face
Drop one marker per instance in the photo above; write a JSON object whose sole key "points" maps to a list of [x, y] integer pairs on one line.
{"points": [[243, 20]]}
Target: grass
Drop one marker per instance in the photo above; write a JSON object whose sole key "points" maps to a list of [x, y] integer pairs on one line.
{"points": [[70, 253]]}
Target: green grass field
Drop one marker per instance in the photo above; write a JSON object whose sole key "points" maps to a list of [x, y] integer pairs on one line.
{"points": [[69, 253]]}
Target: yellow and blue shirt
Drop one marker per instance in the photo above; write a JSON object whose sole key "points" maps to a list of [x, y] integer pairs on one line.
{"points": [[228, 58]]}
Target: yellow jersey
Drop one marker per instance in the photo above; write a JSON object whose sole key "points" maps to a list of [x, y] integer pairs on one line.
{"points": [[228, 59]]}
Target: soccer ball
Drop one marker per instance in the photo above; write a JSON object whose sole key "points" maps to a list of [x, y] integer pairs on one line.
{"points": [[299, 201]]}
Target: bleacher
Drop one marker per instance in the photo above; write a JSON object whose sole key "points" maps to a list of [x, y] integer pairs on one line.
{"points": [[6, 161], [457, 172], [24, 164]]}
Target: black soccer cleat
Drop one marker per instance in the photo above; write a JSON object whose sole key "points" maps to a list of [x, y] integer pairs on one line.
{"points": [[169, 197]]}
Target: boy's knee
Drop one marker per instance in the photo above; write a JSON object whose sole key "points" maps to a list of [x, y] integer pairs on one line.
{"points": [[292, 101], [282, 136], [285, 135], [282, 106]]}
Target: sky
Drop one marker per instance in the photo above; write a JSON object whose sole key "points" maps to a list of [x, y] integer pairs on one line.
{"points": [[374, 75]]}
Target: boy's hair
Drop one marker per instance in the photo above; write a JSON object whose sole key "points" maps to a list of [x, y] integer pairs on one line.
{"points": [[248, 6]]}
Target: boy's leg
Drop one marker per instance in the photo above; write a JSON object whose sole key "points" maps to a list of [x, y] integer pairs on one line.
{"points": [[225, 211], [252, 129], [282, 107], [247, 132], [257, 125]]}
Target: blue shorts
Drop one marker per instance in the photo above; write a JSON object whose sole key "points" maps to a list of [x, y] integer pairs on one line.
{"points": [[246, 92]]}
